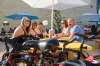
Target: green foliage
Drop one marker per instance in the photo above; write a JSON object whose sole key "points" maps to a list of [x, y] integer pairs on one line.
{"points": [[57, 20]]}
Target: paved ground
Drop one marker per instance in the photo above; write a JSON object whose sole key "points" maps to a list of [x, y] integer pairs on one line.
{"points": [[2, 47]]}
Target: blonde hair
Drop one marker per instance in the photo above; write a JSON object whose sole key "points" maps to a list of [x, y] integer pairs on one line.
{"points": [[22, 20], [40, 26], [22, 24]]}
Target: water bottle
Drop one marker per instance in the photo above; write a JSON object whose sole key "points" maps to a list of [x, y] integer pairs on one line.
{"points": [[51, 33]]}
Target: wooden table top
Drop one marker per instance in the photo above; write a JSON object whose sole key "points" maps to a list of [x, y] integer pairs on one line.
{"points": [[75, 45]]}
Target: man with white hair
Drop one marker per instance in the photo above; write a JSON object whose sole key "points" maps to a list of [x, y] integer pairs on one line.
{"points": [[74, 29]]}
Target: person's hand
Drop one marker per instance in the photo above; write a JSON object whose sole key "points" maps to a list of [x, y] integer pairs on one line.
{"points": [[55, 36]]}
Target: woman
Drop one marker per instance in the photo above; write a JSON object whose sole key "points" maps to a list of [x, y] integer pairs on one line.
{"points": [[34, 26], [25, 28], [24, 31], [39, 30], [64, 29]]}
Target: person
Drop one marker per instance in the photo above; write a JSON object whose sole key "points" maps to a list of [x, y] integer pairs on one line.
{"points": [[74, 29], [24, 30], [64, 29], [34, 26], [22, 33], [98, 30], [3, 31], [10, 30], [93, 30], [39, 30]]}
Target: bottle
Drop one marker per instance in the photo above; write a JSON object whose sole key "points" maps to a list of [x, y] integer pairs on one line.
{"points": [[51, 33]]}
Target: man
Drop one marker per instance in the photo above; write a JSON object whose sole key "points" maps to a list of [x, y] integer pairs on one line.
{"points": [[74, 29]]}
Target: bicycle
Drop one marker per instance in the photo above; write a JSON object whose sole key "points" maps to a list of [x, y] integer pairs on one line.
{"points": [[80, 53]]}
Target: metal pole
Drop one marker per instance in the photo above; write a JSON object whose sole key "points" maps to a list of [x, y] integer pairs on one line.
{"points": [[52, 13]]}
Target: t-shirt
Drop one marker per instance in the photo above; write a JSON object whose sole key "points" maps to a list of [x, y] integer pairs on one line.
{"points": [[79, 30]]}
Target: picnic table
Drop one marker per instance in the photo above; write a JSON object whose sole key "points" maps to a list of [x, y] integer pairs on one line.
{"points": [[75, 45]]}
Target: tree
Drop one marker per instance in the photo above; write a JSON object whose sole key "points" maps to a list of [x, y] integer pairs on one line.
{"points": [[57, 20]]}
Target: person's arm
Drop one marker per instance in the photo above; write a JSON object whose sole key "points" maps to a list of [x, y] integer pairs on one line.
{"points": [[71, 36], [33, 33], [18, 31]]}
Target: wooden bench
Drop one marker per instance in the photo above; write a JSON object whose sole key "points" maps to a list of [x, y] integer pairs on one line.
{"points": [[96, 44]]}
